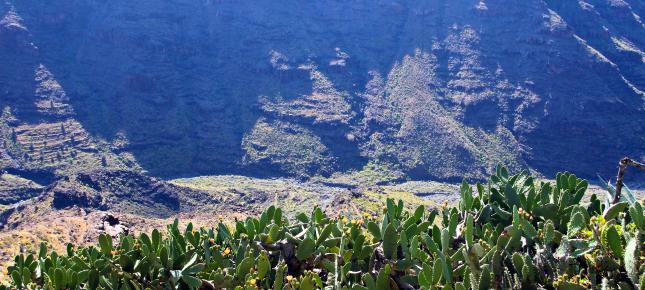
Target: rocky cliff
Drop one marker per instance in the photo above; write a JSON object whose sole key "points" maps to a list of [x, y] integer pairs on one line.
{"points": [[441, 89]]}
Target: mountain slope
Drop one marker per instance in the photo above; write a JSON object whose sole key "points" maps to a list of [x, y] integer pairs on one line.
{"points": [[39, 127], [440, 89]]}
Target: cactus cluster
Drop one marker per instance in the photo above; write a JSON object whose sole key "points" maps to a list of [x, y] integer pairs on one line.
{"points": [[513, 232]]}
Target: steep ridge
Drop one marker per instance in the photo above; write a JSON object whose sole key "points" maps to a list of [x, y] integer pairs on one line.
{"points": [[38, 124], [441, 89]]}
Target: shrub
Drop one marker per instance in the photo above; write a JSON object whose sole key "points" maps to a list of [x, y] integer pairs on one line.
{"points": [[513, 232]]}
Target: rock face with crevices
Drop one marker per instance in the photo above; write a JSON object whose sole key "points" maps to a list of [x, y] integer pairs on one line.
{"points": [[442, 89]]}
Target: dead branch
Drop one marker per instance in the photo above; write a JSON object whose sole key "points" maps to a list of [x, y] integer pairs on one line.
{"points": [[622, 166]]}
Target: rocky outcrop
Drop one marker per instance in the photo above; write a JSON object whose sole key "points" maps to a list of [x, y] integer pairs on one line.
{"points": [[123, 191], [112, 226], [14, 188]]}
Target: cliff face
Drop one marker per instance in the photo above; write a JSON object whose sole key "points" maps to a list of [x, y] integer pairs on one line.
{"points": [[444, 89]]}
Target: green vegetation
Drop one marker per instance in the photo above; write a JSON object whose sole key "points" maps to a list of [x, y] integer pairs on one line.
{"points": [[289, 147], [513, 232], [370, 174]]}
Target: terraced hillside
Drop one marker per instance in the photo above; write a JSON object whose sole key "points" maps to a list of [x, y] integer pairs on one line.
{"points": [[438, 89], [39, 127]]}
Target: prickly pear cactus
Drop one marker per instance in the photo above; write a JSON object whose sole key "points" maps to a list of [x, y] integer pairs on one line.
{"points": [[511, 233]]}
